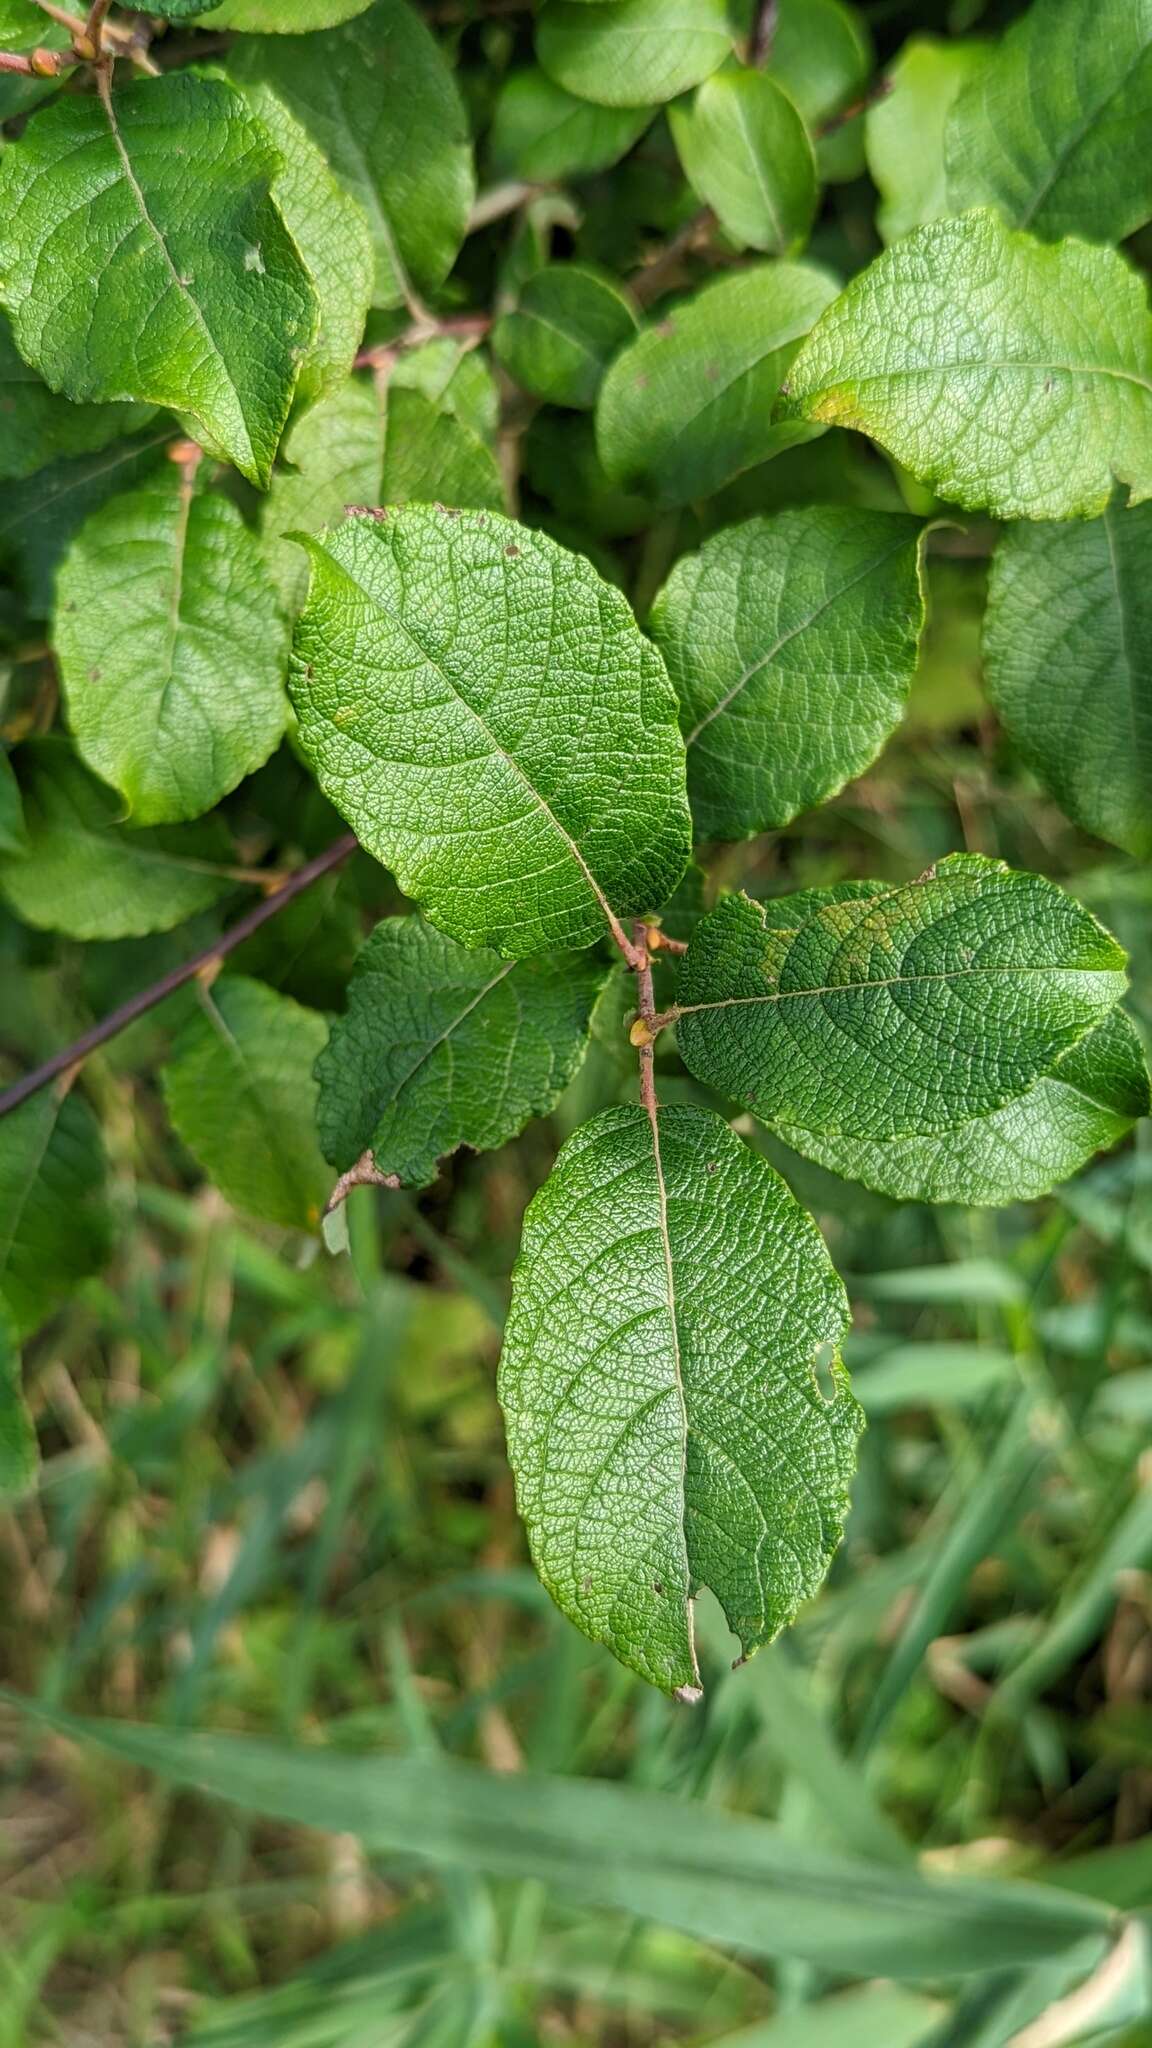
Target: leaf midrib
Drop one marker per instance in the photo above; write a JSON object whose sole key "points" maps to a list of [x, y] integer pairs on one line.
{"points": [[844, 988], [942, 369]]}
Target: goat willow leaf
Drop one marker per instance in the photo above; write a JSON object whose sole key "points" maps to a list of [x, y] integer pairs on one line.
{"points": [[443, 1045], [83, 873], [330, 229], [746, 153], [902, 1013], [791, 643], [141, 257], [38, 427], [665, 1424], [688, 404], [1068, 665], [377, 97], [558, 339], [55, 1225], [172, 649], [19, 1451], [541, 132], [904, 132], [1089, 1101], [333, 457], [486, 714], [632, 53], [241, 1094], [1011, 374], [1052, 128]]}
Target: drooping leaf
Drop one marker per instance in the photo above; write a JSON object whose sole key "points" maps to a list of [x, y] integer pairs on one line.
{"points": [[791, 643], [1087, 1103], [1052, 128], [330, 229], [491, 722], [281, 17], [665, 1423], [443, 1046], [431, 455], [632, 53], [688, 404], [559, 338], [1068, 665], [55, 1225], [172, 648], [544, 134], [746, 154], [39, 517], [85, 874], [904, 132], [1011, 375], [904, 1013], [38, 427], [241, 1093], [378, 99], [19, 1451], [140, 251], [331, 458]]}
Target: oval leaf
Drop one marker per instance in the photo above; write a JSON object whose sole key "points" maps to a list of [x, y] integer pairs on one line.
{"points": [[791, 643], [333, 458], [688, 404], [442, 1046], [1009, 374], [1088, 1102], [632, 53], [488, 717], [901, 1013], [566, 326], [55, 1224], [1052, 129], [140, 251], [544, 134], [746, 154], [38, 427], [378, 99], [665, 1424], [1068, 665], [904, 133], [172, 648]]}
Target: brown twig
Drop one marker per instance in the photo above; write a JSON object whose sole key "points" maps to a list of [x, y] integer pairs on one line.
{"points": [[763, 33], [649, 281], [646, 1002], [147, 999], [365, 1174], [37, 63]]}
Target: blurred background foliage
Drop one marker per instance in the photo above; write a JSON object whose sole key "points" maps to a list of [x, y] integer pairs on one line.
{"points": [[274, 1497]]}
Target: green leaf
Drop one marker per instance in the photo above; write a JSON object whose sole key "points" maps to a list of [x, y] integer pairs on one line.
{"points": [[13, 837], [281, 17], [241, 1093], [746, 154], [791, 643], [1014, 1154], [172, 648], [904, 133], [38, 518], [821, 54], [332, 458], [330, 229], [901, 1013], [1068, 665], [37, 427], [178, 10], [632, 53], [140, 251], [1052, 129], [724, 1877], [665, 1423], [1011, 375], [488, 717], [88, 876], [688, 404], [378, 99], [443, 1046], [544, 134], [19, 1450], [455, 376], [430, 455], [55, 1226], [558, 340]]}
